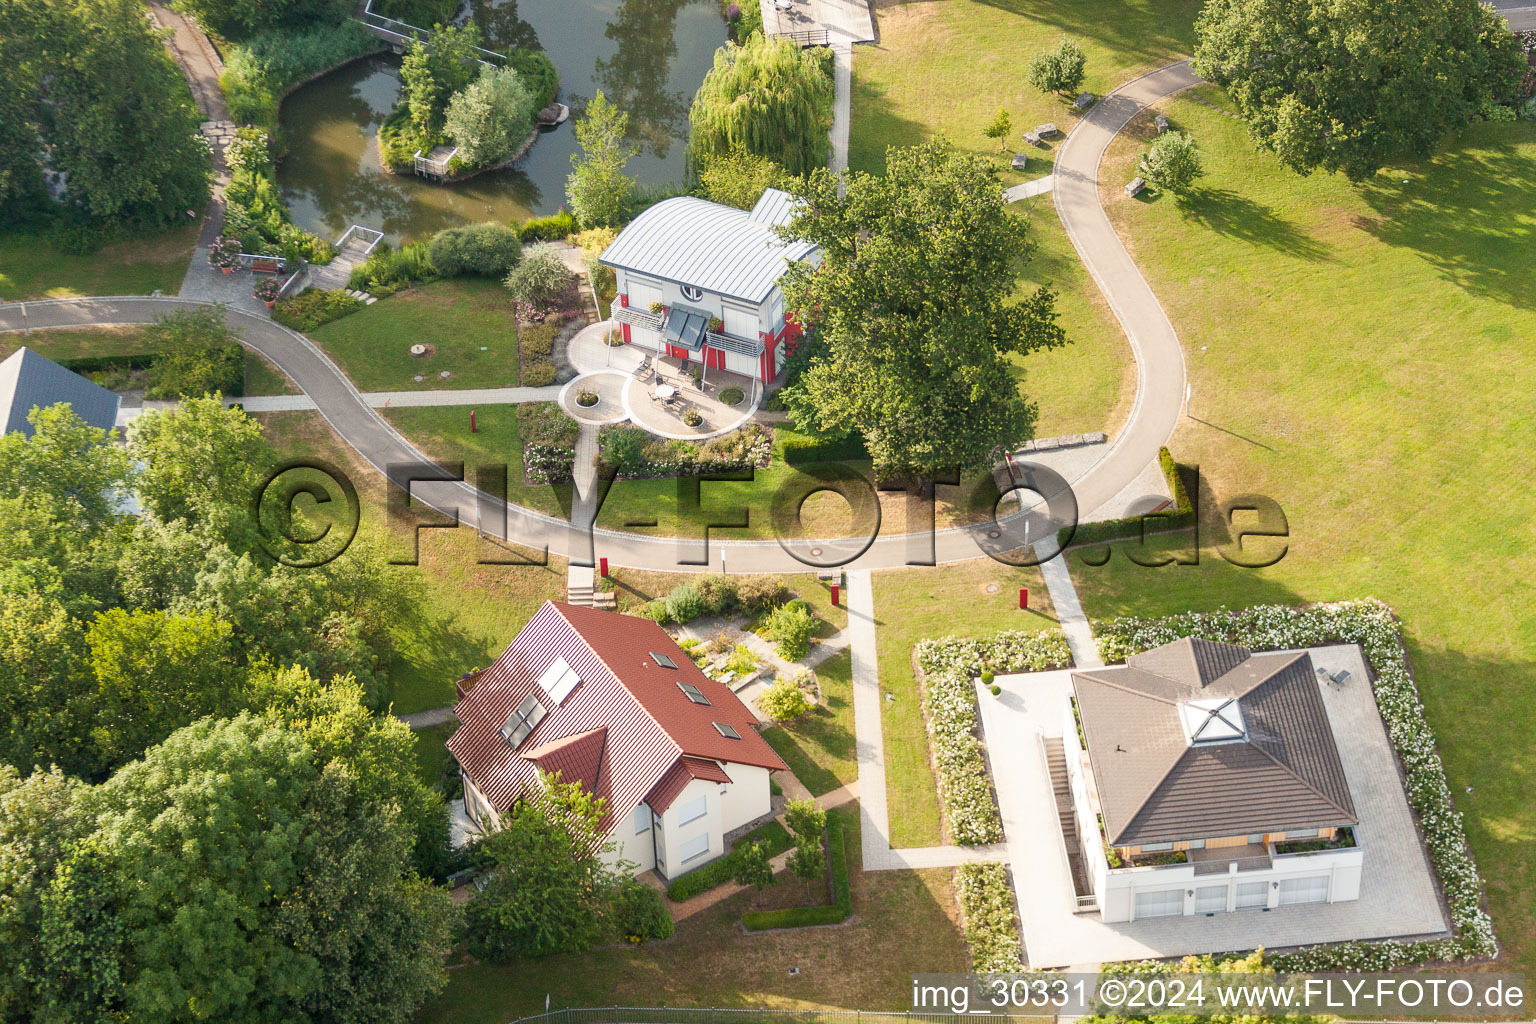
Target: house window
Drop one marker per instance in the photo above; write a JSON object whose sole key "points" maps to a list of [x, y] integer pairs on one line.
{"points": [[1304, 833], [741, 323], [691, 293], [694, 848], [776, 311], [642, 819], [1155, 847], [522, 720], [693, 810], [728, 731], [558, 681], [694, 693]]}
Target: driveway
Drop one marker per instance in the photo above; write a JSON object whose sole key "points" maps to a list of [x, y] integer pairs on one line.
{"points": [[1398, 893]]}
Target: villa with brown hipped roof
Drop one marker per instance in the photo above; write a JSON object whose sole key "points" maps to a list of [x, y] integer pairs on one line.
{"points": [[1206, 779], [611, 702]]}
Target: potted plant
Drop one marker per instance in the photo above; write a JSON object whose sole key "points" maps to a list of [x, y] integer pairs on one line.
{"points": [[224, 253], [716, 325], [656, 308], [693, 417], [266, 290], [586, 398]]}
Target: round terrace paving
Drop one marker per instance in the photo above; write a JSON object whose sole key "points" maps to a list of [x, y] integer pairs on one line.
{"points": [[609, 388]]}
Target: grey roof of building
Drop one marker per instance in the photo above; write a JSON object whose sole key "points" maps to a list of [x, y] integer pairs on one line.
{"points": [[1156, 786], [720, 249], [28, 380]]}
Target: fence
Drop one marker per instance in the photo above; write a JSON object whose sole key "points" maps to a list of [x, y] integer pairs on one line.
{"points": [[427, 167], [296, 283], [806, 37], [403, 31], [370, 235], [712, 1015]]}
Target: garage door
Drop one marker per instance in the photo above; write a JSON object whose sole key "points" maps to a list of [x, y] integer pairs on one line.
{"points": [[1312, 889], [742, 364], [1252, 895], [1166, 903], [1211, 899]]}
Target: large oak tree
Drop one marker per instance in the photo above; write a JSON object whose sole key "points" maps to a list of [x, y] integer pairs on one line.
{"points": [[913, 301], [1352, 85]]}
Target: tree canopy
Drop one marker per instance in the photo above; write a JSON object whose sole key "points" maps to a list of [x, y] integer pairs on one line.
{"points": [[1058, 70], [767, 97], [236, 19], [1172, 163], [433, 71], [739, 179], [911, 302], [1348, 85], [491, 117], [597, 186]]}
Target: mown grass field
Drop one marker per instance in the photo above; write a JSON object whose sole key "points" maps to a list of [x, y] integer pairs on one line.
{"points": [[467, 321], [33, 267], [442, 433], [1361, 353], [972, 598], [819, 746]]}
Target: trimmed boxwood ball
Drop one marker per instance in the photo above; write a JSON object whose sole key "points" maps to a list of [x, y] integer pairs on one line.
{"points": [[996, 690], [486, 249], [731, 396]]}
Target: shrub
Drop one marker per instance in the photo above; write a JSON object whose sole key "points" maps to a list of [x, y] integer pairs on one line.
{"points": [[790, 627], [1172, 164], [537, 375], [784, 700], [756, 594], [639, 913], [622, 448], [195, 354], [491, 118], [805, 917], [801, 449], [986, 900], [1060, 70], [260, 69], [310, 309], [718, 591], [987, 677], [774, 838], [536, 341], [541, 279], [731, 396], [486, 249], [655, 610], [805, 819], [553, 228], [997, 691], [738, 178], [538, 73], [684, 604], [387, 269]]}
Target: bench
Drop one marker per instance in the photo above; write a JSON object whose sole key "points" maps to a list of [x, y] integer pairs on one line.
{"points": [[1020, 161], [266, 265], [1162, 124], [1046, 130], [1135, 187], [1084, 101]]}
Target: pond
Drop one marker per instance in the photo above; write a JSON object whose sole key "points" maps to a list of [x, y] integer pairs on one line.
{"points": [[647, 56]]}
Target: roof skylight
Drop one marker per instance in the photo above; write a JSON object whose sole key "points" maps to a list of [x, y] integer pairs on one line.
{"points": [[694, 693], [1214, 720], [663, 660], [728, 731]]}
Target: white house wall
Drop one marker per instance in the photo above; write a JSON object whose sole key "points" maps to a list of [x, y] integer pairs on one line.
{"points": [[675, 834], [638, 848], [642, 291], [747, 798]]}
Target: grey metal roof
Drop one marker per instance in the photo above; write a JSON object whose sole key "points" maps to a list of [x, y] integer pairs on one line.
{"points": [[28, 380], [1157, 786], [774, 207], [717, 248]]}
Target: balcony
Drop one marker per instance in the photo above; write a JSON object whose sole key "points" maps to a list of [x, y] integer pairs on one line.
{"points": [[1219, 861]]}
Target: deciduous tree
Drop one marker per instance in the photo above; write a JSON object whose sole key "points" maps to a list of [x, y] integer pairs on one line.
{"points": [[912, 300], [767, 97], [202, 466], [738, 179], [490, 118], [1349, 85], [1058, 70], [597, 186], [1172, 164]]}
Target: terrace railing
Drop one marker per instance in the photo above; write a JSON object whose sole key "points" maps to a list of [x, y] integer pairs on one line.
{"points": [[367, 237], [396, 31]]}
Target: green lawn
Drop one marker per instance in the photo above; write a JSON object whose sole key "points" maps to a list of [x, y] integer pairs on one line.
{"points": [[947, 68], [432, 757], [911, 605], [261, 377], [903, 922], [33, 267], [468, 611], [1361, 353], [442, 433], [468, 322], [819, 745]]}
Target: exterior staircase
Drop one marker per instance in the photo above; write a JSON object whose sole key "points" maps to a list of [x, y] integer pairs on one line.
{"points": [[1061, 787], [581, 589], [352, 248]]}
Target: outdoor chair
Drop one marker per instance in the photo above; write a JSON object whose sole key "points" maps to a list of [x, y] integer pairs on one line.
{"points": [[1342, 678]]}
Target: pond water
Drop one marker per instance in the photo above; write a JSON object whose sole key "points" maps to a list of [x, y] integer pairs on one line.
{"points": [[647, 56]]}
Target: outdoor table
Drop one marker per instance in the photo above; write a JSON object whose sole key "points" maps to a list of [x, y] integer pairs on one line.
{"points": [[665, 391]]}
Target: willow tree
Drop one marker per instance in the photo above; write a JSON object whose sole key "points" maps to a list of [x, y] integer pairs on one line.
{"points": [[767, 97]]}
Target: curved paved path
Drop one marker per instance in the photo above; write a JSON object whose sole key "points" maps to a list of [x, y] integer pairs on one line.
{"points": [[1160, 389]]}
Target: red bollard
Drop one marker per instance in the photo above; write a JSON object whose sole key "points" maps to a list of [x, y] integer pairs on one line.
{"points": [[602, 567], [1023, 597], [472, 421], [835, 588]]}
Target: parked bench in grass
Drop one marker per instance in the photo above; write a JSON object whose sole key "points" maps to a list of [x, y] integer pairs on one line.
{"points": [[1084, 101], [1162, 124], [1020, 161], [1135, 187]]}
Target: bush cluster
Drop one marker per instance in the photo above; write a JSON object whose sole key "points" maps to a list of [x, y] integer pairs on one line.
{"points": [[639, 914], [309, 309], [805, 917], [535, 350], [541, 279], [790, 626], [719, 594], [775, 840], [387, 270], [489, 250], [549, 442], [538, 73], [965, 788], [634, 453], [1372, 625], [986, 900], [553, 228], [784, 700]]}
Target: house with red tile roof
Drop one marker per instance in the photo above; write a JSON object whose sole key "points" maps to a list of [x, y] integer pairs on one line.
{"points": [[611, 702]]}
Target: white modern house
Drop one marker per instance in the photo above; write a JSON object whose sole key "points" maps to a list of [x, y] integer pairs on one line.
{"points": [[1205, 779], [611, 702], [699, 281]]}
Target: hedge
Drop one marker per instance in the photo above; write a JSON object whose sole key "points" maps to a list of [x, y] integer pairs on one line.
{"points": [[92, 364], [805, 917], [1372, 625], [991, 929], [1181, 517], [720, 870], [949, 705], [800, 449]]}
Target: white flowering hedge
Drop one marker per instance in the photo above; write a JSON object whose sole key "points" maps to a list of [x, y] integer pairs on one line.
{"points": [[987, 903], [1370, 624], [949, 700]]}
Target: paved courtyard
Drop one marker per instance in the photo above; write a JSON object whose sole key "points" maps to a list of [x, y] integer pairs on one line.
{"points": [[1398, 895]]}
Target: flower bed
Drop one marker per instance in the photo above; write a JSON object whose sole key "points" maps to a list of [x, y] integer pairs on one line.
{"points": [[1370, 624], [949, 704], [635, 454], [987, 903]]}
